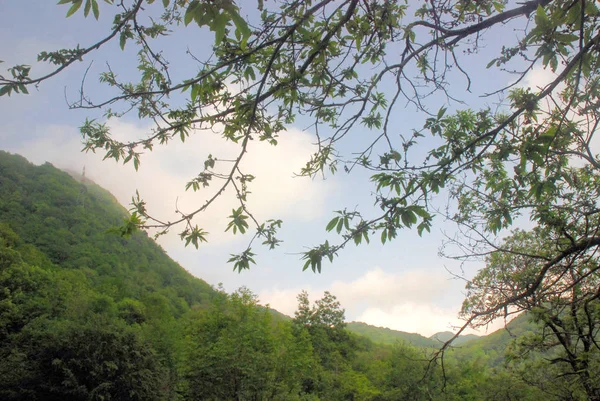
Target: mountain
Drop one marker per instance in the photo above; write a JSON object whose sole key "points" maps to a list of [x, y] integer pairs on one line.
{"points": [[493, 346], [444, 336], [70, 222], [84, 312], [87, 314], [488, 349], [69, 218], [383, 335]]}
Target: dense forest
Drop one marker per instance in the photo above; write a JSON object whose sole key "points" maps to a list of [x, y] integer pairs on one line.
{"points": [[87, 314]]}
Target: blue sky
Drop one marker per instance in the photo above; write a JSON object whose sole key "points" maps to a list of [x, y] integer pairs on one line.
{"points": [[404, 285]]}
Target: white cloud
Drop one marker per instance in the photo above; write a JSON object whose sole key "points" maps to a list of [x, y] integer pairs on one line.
{"points": [[384, 289], [419, 301], [538, 78], [284, 300], [164, 172], [425, 319]]}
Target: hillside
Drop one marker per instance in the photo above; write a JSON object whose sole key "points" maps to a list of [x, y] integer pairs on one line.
{"points": [[488, 349], [493, 346], [383, 335], [444, 336], [69, 219], [84, 313], [88, 315], [70, 222]]}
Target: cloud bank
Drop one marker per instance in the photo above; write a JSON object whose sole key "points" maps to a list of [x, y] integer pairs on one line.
{"points": [[415, 301]]}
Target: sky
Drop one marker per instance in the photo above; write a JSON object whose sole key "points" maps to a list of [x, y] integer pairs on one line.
{"points": [[404, 285]]}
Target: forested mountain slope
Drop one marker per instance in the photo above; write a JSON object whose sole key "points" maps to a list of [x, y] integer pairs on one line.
{"points": [[69, 222], [84, 313], [383, 335], [88, 315], [493, 346]]}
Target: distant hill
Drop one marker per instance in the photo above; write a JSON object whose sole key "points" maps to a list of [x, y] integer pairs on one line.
{"points": [[444, 336], [383, 335], [494, 343]]}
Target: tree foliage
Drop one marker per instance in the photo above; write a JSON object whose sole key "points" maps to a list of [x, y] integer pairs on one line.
{"points": [[565, 304], [94, 328], [345, 69]]}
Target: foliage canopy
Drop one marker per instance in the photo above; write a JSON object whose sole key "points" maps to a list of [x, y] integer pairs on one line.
{"points": [[347, 67], [87, 315]]}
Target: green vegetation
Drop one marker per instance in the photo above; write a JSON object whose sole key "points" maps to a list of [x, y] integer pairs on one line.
{"points": [[384, 335], [86, 314], [344, 69], [444, 336]]}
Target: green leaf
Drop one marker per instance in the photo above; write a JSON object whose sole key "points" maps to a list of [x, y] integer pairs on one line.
{"points": [[74, 8], [196, 236], [421, 212], [240, 24], [423, 226], [23, 89], [332, 224], [95, 9], [5, 90], [340, 225], [194, 92], [249, 74], [219, 27], [441, 113], [242, 261], [541, 19], [87, 8], [189, 13], [408, 218], [238, 221]]}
